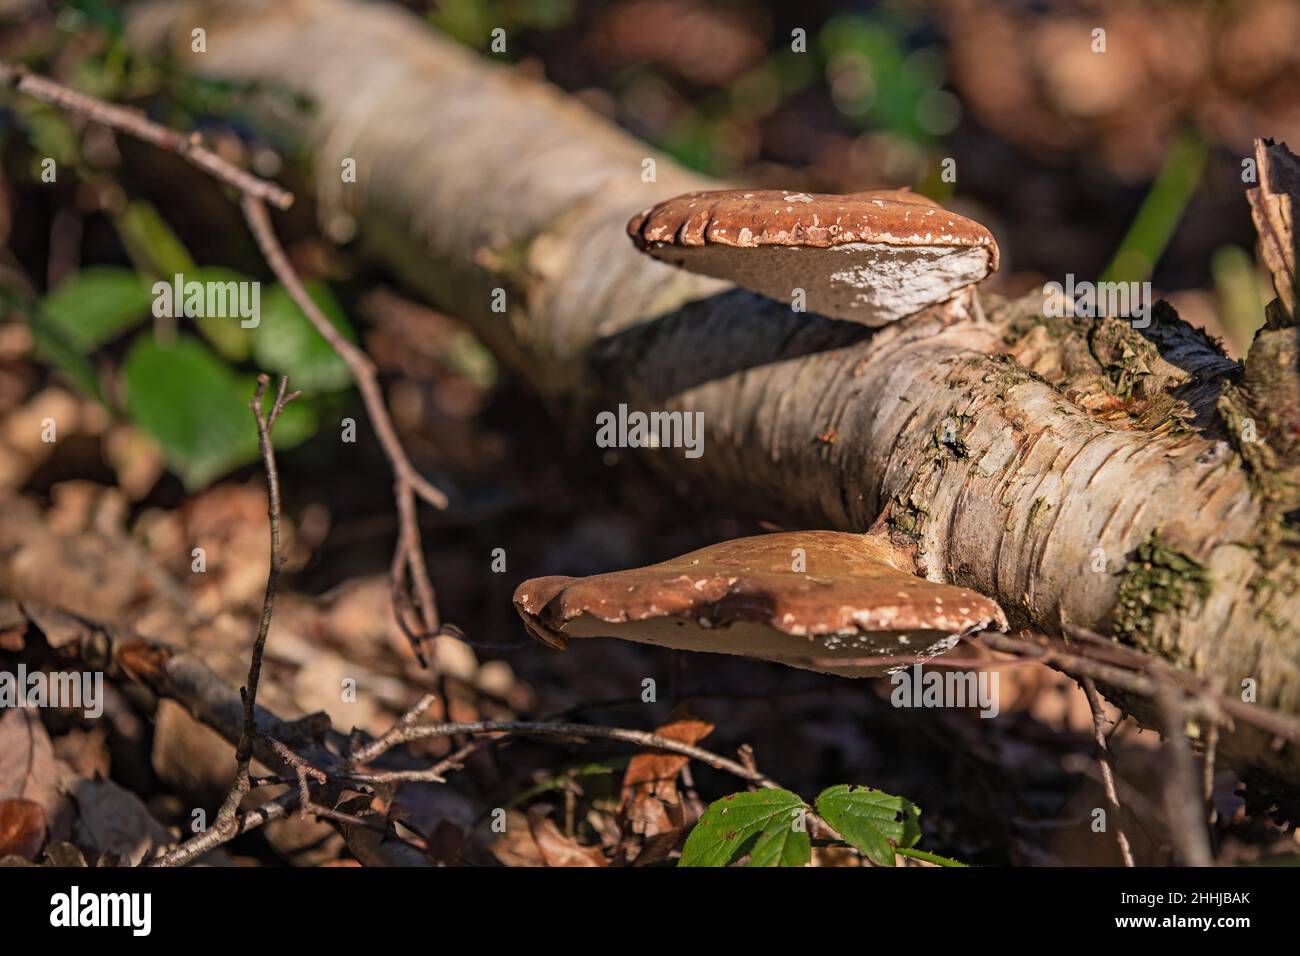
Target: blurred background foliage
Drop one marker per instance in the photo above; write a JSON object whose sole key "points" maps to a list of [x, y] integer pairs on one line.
{"points": [[1124, 164]]}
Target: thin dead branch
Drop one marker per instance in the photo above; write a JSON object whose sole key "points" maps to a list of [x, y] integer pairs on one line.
{"points": [[226, 826], [368, 752], [135, 123], [412, 587], [223, 831], [1110, 663], [1105, 760], [1181, 789], [546, 729], [210, 700]]}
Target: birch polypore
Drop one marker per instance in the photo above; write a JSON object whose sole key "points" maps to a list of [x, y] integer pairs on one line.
{"points": [[819, 600], [870, 257]]}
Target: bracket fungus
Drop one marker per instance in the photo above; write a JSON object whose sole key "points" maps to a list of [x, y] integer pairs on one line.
{"points": [[820, 600], [871, 257]]}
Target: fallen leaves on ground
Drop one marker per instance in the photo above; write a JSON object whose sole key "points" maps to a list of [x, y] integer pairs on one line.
{"points": [[650, 810], [22, 828]]}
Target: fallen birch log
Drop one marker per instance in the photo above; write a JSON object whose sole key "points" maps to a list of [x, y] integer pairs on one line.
{"points": [[1076, 471]]}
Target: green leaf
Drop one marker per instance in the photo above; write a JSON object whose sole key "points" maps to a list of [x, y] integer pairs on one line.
{"points": [[871, 820], [50, 344], [730, 824], [196, 408], [227, 335], [285, 340], [1161, 211], [53, 346], [100, 13], [151, 243], [50, 134], [98, 304], [782, 845]]}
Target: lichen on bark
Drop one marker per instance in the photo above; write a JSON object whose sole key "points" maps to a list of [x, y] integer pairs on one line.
{"points": [[1158, 583]]}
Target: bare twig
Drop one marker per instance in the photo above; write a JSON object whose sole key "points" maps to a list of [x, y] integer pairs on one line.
{"points": [[136, 124], [1182, 791], [409, 732], [1106, 762], [265, 422], [368, 752], [226, 827], [1071, 662], [1207, 773], [456, 759], [210, 700], [410, 578], [1125, 669], [545, 729], [304, 773], [1224, 707], [223, 831]]}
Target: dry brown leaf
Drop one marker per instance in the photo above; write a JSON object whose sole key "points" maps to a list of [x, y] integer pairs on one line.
{"points": [[229, 522], [112, 818], [143, 661], [22, 828], [704, 42], [83, 575], [21, 429], [516, 846], [13, 626], [13, 639], [30, 770], [650, 808], [85, 751], [136, 459], [444, 844], [63, 854], [556, 848], [836, 856], [190, 758], [60, 629]]}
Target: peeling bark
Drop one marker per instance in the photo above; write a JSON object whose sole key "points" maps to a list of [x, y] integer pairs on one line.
{"points": [[1077, 472]]}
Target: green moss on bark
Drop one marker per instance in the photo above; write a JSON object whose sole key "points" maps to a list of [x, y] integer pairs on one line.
{"points": [[1158, 581], [908, 517]]}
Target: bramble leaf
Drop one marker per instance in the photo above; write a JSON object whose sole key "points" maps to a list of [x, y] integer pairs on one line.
{"points": [[196, 408], [96, 305], [871, 820], [730, 825], [286, 341]]}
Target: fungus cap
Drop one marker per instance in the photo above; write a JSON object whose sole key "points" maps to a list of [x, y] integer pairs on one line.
{"points": [[853, 601], [871, 257]]}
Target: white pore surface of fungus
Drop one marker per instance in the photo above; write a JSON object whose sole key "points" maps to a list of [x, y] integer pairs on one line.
{"points": [[872, 283]]}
